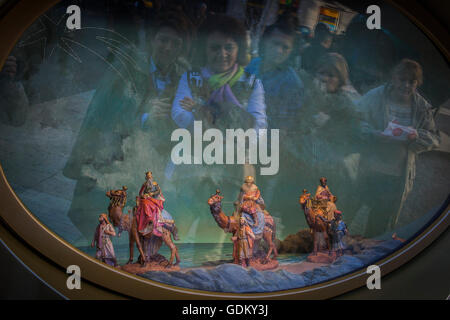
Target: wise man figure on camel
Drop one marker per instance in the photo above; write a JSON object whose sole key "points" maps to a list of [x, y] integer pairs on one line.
{"points": [[324, 194], [151, 204], [251, 196], [323, 191]]}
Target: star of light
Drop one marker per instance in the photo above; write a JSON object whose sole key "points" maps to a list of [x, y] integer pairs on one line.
{"points": [[55, 34]]}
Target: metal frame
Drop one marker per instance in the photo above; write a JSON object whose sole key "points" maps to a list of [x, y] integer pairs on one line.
{"points": [[48, 255]]}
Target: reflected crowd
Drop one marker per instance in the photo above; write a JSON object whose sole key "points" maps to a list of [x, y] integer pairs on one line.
{"points": [[359, 124]]}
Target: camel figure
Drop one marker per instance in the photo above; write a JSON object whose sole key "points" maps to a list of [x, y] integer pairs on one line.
{"points": [[231, 224], [127, 222], [315, 211]]}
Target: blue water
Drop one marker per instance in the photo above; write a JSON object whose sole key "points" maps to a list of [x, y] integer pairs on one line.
{"points": [[194, 254]]}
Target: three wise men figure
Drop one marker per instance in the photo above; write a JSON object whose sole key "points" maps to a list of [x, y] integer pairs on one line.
{"points": [[337, 227], [338, 230], [323, 193], [150, 207], [151, 217], [250, 194], [250, 201]]}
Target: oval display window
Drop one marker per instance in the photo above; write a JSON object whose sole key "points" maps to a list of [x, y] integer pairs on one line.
{"points": [[224, 148]]}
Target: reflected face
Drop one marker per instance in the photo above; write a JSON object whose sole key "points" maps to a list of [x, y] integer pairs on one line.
{"points": [[327, 42], [277, 48], [221, 52], [404, 86], [167, 46], [330, 80]]}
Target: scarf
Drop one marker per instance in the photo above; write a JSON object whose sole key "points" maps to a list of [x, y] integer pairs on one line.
{"points": [[221, 84]]}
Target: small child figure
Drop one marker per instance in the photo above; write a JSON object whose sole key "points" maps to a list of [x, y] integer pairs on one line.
{"points": [[105, 249], [338, 231], [243, 243]]}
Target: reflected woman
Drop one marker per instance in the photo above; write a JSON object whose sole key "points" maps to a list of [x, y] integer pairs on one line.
{"points": [[219, 92], [389, 164]]}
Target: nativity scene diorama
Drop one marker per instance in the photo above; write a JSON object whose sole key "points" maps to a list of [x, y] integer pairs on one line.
{"points": [[225, 146], [149, 226], [252, 229]]}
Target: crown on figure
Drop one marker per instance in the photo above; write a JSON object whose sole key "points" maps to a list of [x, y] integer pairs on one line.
{"points": [[249, 179]]}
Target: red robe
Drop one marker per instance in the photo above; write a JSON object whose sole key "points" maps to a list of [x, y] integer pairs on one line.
{"points": [[149, 210]]}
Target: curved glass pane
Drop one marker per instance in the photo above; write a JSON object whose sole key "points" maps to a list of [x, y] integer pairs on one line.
{"points": [[237, 109]]}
